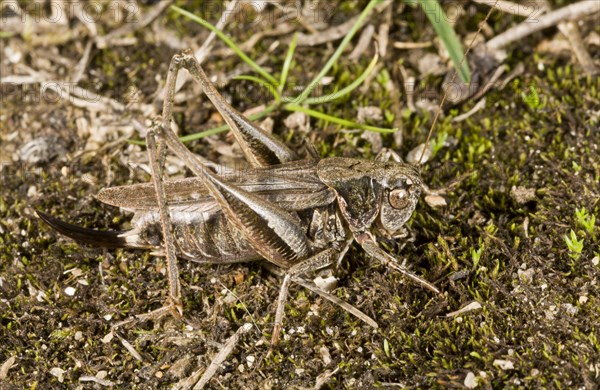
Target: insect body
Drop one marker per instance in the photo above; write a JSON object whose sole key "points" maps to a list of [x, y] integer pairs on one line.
{"points": [[301, 215]]}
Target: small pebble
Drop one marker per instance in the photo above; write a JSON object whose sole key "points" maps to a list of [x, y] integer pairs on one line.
{"points": [[522, 195], [325, 355], [414, 155], [102, 374], [59, 373], [470, 381], [108, 338], [70, 291], [504, 364]]}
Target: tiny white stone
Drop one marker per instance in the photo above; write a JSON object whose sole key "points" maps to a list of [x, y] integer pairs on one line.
{"points": [[583, 299], [70, 291], [534, 372], [31, 191], [40, 296], [470, 381], [504, 364], [78, 335], [570, 308], [108, 317], [58, 372], [328, 284], [596, 260], [107, 339], [327, 80], [102, 374], [325, 355], [526, 275], [414, 155], [435, 201], [230, 298], [14, 56]]}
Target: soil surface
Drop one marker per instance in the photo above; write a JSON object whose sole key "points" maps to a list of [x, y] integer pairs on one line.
{"points": [[514, 249]]}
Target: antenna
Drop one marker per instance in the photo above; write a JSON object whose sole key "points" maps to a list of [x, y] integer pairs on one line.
{"points": [[462, 60]]}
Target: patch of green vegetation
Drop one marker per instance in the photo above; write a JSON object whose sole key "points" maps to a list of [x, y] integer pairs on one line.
{"points": [[497, 153]]}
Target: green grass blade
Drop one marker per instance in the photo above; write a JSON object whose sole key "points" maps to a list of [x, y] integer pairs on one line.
{"points": [[346, 90], [313, 84], [270, 87], [288, 62], [438, 19], [227, 41], [339, 121]]}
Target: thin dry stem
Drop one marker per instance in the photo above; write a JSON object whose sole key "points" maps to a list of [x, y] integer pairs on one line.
{"points": [[571, 12], [462, 60]]}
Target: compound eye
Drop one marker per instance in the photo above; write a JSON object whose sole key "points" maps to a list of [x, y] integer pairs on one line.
{"points": [[399, 198]]}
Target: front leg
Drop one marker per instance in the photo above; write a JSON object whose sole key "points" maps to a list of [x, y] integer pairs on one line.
{"points": [[313, 263], [368, 243]]}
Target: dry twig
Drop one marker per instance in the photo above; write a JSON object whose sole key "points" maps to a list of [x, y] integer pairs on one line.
{"points": [[568, 29], [571, 12], [336, 32], [363, 43], [214, 365]]}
